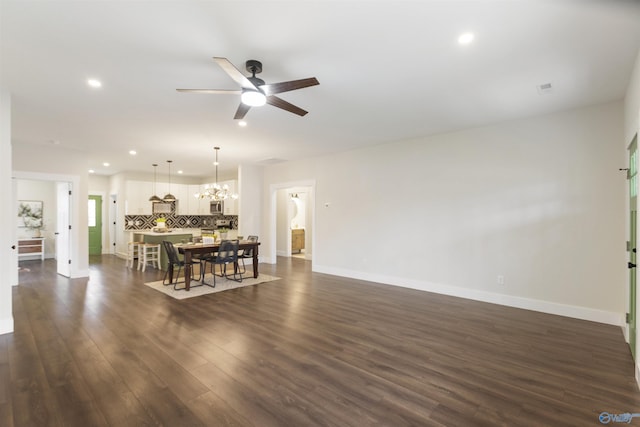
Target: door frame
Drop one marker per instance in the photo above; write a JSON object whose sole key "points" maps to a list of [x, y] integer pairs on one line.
{"points": [[74, 213], [273, 215], [632, 177], [100, 218]]}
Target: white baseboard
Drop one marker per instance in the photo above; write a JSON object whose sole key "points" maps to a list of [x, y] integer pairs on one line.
{"points": [[576, 312], [77, 274], [6, 325]]}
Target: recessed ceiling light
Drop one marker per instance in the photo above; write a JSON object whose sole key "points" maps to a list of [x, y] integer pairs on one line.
{"points": [[106, 165], [94, 83], [133, 152], [91, 171], [465, 38], [242, 123], [180, 172]]}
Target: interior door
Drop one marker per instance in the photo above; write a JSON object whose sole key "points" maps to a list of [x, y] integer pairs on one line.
{"points": [[63, 234], [633, 203], [95, 225]]}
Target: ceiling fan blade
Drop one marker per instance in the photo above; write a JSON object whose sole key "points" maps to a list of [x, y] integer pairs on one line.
{"points": [[234, 73], [216, 91], [281, 103], [242, 111], [274, 88]]}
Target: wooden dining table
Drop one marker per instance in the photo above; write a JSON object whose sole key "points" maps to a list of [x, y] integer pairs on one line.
{"points": [[191, 249]]}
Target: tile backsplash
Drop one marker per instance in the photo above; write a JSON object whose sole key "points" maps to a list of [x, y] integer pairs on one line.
{"points": [[146, 222]]}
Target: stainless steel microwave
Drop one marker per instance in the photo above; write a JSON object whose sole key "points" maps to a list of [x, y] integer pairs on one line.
{"points": [[216, 207]]}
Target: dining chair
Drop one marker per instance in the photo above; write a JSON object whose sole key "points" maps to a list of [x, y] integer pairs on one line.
{"points": [[173, 262], [226, 254], [247, 253], [148, 253], [133, 253]]}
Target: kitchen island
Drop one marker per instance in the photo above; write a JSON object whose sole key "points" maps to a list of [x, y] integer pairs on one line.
{"points": [[173, 236]]}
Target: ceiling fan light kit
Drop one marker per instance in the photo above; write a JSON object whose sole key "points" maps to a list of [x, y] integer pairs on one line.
{"points": [[253, 98], [254, 92]]}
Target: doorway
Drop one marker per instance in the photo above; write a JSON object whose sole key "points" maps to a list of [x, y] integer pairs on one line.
{"points": [[95, 225], [282, 216], [65, 240]]}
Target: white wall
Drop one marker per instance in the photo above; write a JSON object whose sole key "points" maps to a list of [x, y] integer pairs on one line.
{"points": [[632, 104], [539, 201], [282, 223], [250, 181], [8, 256]]}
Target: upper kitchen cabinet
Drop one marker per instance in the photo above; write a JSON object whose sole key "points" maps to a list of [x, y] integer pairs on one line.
{"points": [[137, 201], [181, 192], [231, 205], [192, 201]]}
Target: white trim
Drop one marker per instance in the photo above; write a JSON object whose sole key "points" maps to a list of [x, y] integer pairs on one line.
{"points": [[105, 220], [576, 312], [78, 274], [6, 325]]}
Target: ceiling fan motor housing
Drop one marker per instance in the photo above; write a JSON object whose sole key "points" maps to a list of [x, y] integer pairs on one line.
{"points": [[253, 66]]}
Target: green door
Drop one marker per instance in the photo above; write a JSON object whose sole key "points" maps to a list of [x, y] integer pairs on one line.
{"points": [[633, 203], [95, 225]]}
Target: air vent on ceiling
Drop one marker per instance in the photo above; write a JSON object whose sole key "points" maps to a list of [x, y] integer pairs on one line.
{"points": [[545, 88]]}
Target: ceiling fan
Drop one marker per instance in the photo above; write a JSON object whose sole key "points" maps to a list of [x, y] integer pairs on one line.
{"points": [[254, 92]]}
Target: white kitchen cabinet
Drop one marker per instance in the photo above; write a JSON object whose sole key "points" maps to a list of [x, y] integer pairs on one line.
{"points": [[181, 191], [192, 201], [162, 188], [231, 205], [137, 197], [203, 204]]}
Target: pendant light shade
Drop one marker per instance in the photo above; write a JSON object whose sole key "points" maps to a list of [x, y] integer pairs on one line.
{"points": [[154, 198], [169, 197]]}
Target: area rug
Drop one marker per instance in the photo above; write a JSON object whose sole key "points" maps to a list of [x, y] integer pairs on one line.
{"points": [[222, 284]]}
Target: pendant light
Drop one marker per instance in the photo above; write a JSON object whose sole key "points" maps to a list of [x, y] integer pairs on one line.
{"points": [[217, 192], [154, 198], [169, 197]]}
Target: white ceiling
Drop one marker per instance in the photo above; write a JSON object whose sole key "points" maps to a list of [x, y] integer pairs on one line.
{"points": [[388, 70]]}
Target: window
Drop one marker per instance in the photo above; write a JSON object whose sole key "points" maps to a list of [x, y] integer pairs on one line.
{"points": [[92, 213]]}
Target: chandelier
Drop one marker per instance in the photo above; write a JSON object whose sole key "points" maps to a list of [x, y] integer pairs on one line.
{"points": [[216, 191]]}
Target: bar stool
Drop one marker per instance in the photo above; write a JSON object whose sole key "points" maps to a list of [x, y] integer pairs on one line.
{"points": [[133, 252], [149, 254]]}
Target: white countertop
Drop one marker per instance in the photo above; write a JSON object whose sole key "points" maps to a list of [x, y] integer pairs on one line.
{"points": [[170, 232]]}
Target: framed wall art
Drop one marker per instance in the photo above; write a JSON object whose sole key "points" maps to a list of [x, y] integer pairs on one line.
{"points": [[30, 214]]}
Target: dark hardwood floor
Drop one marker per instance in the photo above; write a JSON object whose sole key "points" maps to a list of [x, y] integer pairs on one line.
{"points": [[307, 350]]}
